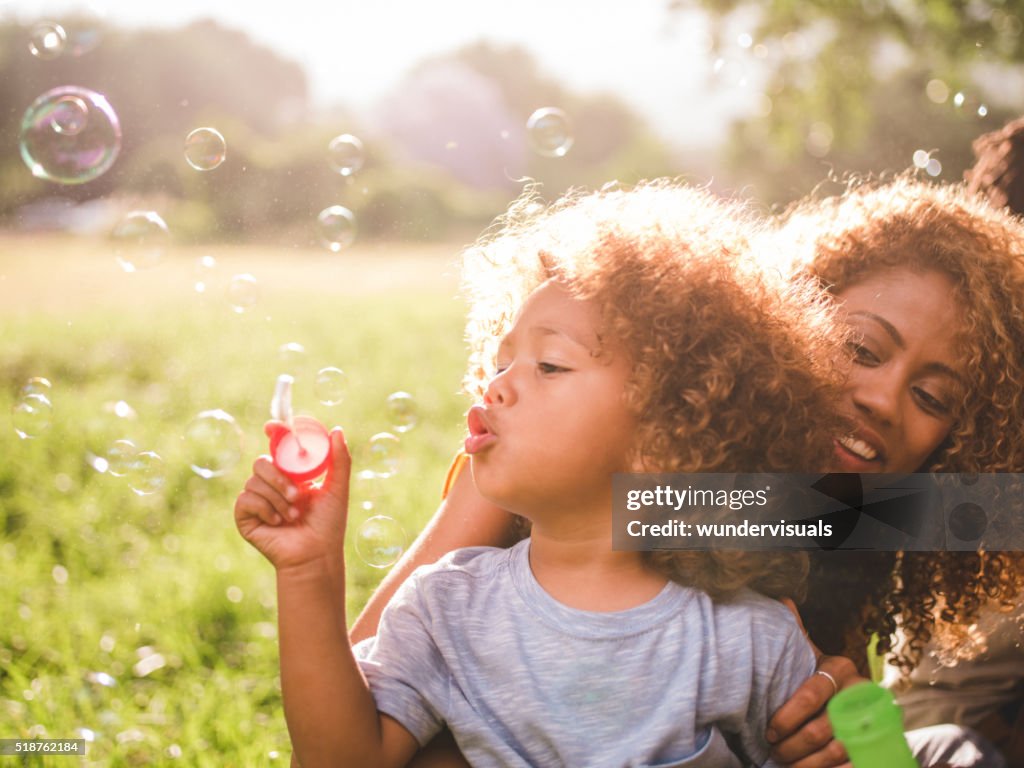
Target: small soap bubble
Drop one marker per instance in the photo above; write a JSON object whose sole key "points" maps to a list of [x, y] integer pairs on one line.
{"points": [[380, 541], [243, 292], [934, 167], [402, 411], [921, 158], [102, 678], [819, 139], [120, 456], [213, 443], [204, 271], [69, 135], [384, 454], [730, 71], [31, 415], [982, 110], [120, 409], [47, 40], [140, 240], [205, 149], [330, 385], [37, 385], [146, 473], [336, 228], [345, 154], [70, 116], [59, 574], [549, 132], [937, 91], [292, 356]]}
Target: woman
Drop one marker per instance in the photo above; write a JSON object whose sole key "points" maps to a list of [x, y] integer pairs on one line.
{"points": [[946, 273]]}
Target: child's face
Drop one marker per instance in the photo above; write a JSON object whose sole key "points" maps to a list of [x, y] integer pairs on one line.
{"points": [[554, 425]]}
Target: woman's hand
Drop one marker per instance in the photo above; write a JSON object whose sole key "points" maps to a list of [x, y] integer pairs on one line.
{"points": [[800, 732], [293, 526]]}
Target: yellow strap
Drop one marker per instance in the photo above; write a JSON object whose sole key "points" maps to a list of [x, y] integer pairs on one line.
{"points": [[461, 460]]}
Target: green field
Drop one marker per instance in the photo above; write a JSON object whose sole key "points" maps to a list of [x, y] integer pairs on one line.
{"points": [[144, 622]]}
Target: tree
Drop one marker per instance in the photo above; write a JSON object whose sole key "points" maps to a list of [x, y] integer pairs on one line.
{"points": [[861, 86]]}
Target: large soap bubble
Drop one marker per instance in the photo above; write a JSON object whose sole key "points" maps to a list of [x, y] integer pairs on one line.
{"points": [[70, 135]]}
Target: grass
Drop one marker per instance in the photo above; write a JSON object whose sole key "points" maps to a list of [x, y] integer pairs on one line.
{"points": [[145, 623]]}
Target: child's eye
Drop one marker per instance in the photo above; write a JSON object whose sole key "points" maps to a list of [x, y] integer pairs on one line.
{"points": [[862, 355], [551, 368]]}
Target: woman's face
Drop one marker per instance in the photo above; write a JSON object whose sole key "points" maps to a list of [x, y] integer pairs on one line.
{"points": [[906, 376]]}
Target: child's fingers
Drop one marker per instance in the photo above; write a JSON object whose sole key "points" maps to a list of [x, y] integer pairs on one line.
{"points": [[264, 468], [336, 482], [250, 505], [261, 487]]}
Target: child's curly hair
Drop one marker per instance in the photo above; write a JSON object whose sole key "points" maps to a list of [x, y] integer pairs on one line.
{"points": [[910, 223], [733, 367]]}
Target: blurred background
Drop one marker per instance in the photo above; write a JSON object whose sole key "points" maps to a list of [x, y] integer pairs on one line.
{"points": [[196, 199]]}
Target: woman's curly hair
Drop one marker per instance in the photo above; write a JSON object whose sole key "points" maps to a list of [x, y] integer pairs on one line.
{"points": [[733, 367], [909, 223]]}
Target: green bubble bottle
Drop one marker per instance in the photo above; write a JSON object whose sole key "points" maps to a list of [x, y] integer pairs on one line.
{"points": [[869, 723]]}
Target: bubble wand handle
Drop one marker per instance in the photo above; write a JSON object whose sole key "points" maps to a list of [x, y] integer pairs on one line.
{"points": [[304, 458], [281, 404]]}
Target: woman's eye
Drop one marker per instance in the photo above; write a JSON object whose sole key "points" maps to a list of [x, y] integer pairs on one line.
{"points": [[551, 368], [931, 403], [862, 354]]}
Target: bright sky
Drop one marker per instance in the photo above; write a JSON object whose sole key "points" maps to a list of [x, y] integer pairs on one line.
{"points": [[353, 52]]}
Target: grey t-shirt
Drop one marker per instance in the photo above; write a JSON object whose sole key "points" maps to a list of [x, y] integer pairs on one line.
{"points": [[475, 643]]}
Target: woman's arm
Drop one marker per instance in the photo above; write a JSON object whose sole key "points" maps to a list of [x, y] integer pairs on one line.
{"points": [[464, 519]]}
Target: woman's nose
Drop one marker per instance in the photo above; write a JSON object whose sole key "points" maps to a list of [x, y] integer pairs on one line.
{"points": [[877, 392]]}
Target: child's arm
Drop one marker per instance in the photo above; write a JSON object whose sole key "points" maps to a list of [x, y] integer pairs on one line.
{"points": [[331, 714], [463, 519]]}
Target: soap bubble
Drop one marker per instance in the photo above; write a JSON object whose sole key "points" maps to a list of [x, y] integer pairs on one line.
{"points": [[345, 154], [402, 411], [47, 40], [292, 356], [384, 454], [330, 385], [336, 228], [140, 240], [120, 456], [70, 135], [70, 116], [730, 71], [243, 292], [213, 442], [549, 132], [31, 415], [380, 541], [146, 474], [921, 158], [204, 270], [37, 385], [205, 149]]}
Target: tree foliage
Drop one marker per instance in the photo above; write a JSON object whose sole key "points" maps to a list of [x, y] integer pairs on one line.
{"points": [[861, 86]]}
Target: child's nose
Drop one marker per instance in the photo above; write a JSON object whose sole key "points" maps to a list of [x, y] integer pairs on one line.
{"points": [[500, 389]]}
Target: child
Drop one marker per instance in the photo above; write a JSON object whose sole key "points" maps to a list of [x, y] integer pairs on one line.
{"points": [[614, 332]]}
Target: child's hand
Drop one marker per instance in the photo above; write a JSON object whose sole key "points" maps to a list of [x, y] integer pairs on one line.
{"points": [[293, 526]]}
